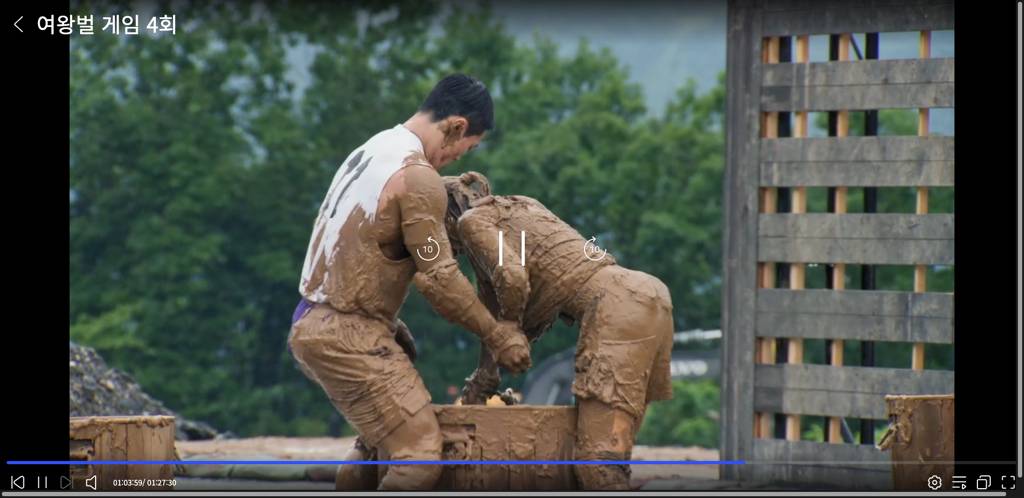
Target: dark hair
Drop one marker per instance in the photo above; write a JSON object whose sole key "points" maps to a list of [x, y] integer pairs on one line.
{"points": [[461, 95]]}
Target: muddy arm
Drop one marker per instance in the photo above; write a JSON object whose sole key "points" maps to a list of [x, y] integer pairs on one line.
{"points": [[422, 205], [510, 280], [484, 381]]}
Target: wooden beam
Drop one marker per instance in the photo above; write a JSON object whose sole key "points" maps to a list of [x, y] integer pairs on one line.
{"points": [[857, 17], [866, 85], [887, 238], [825, 390], [862, 467], [899, 226], [865, 72], [857, 174], [855, 315], [857, 149], [857, 97], [855, 251]]}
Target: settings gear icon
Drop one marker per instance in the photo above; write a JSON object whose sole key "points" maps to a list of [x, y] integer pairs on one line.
{"points": [[934, 482]]}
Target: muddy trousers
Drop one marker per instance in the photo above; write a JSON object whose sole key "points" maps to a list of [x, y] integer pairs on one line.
{"points": [[370, 380], [604, 433], [623, 362], [412, 440], [357, 477]]}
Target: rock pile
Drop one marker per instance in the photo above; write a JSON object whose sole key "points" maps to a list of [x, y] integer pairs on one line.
{"points": [[97, 389]]}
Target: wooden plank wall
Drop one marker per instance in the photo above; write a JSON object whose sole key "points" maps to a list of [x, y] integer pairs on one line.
{"points": [[770, 157]]}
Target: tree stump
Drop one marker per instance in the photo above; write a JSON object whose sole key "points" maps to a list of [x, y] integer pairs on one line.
{"points": [[122, 438]]}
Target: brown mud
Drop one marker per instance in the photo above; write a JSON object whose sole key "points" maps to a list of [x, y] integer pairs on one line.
{"points": [[625, 316]]}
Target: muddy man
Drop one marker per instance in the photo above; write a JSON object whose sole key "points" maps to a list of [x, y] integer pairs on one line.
{"points": [[380, 227], [625, 316]]}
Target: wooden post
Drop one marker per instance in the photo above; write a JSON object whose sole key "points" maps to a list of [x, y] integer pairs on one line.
{"points": [[919, 439], [125, 438], [920, 282]]}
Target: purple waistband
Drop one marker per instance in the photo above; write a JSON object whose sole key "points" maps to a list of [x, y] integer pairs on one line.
{"points": [[300, 310]]}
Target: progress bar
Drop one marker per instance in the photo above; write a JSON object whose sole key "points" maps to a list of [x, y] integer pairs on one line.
{"points": [[505, 462], [376, 462]]}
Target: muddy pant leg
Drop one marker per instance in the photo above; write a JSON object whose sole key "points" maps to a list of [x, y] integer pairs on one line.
{"points": [[357, 477], [370, 380], [603, 433], [418, 438]]}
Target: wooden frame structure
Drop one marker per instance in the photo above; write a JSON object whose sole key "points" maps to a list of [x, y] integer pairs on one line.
{"points": [[772, 87]]}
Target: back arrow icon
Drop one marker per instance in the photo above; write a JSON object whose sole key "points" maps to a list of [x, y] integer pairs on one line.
{"points": [[16, 23]]}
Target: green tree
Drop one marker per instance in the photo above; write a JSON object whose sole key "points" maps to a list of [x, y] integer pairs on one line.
{"points": [[690, 418]]}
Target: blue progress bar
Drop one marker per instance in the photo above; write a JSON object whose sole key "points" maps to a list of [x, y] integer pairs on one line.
{"points": [[376, 462]]}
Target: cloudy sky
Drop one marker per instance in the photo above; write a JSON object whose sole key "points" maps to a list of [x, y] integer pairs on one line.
{"points": [[661, 43]]}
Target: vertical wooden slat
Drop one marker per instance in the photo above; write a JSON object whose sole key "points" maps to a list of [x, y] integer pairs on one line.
{"points": [[802, 56], [773, 49], [770, 120], [843, 116], [768, 195], [795, 351], [834, 434], [765, 347], [842, 129], [867, 273], [920, 282], [797, 271]]}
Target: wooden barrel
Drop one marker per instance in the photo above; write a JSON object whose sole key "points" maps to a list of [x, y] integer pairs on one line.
{"points": [[122, 438], [521, 432], [920, 432]]}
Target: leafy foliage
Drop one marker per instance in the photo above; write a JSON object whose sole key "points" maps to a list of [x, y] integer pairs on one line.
{"points": [[690, 418]]}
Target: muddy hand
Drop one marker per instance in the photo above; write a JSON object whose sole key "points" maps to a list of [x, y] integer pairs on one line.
{"points": [[510, 346]]}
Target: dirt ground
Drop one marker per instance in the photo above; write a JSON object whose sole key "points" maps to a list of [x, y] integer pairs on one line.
{"points": [[285, 448]]}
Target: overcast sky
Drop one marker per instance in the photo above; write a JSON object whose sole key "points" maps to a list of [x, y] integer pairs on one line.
{"points": [[661, 43]]}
